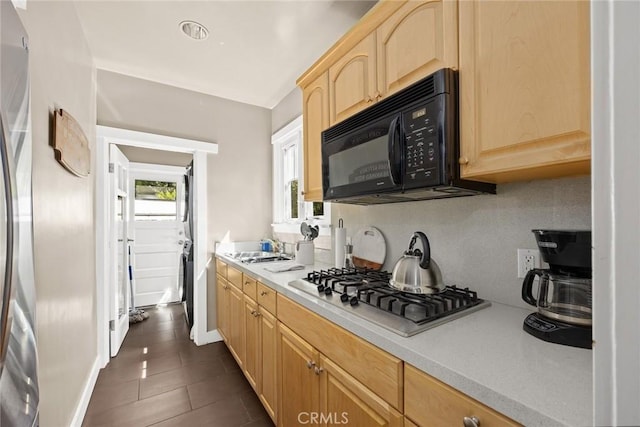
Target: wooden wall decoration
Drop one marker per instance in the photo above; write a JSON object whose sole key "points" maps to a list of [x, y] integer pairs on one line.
{"points": [[70, 144]]}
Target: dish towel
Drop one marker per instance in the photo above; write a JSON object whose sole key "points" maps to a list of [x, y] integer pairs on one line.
{"points": [[284, 267]]}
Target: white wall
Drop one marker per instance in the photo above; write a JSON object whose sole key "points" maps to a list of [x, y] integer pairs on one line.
{"points": [[287, 109], [616, 211], [62, 76], [474, 239], [239, 176]]}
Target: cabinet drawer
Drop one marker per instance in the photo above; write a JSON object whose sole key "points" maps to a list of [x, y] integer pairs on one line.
{"points": [[374, 368], [221, 268], [249, 286], [234, 277], [431, 403], [267, 298]]}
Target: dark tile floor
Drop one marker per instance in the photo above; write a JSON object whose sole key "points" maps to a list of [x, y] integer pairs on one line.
{"points": [[161, 378]]}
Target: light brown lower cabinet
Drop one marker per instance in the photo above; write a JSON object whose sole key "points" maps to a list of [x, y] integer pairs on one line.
{"points": [[236, 342], [307, 370], [251, 342], [431, 403], [315, 390], [222, 305]]}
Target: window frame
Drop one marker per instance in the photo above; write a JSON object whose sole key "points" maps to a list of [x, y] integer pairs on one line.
{"points": [[287, 136]]}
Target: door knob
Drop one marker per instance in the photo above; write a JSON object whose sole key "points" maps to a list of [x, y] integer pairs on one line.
{"points": [[470, 422], [181, 242]]}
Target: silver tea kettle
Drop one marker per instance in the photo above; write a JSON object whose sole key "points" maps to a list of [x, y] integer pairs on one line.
{"points": [[416, 272]]}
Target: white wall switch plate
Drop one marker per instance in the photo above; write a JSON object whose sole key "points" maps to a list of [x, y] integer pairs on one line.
{"points": [[528, 259]]}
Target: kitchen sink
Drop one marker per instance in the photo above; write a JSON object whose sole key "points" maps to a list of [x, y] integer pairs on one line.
{"points": [[259, 256]]}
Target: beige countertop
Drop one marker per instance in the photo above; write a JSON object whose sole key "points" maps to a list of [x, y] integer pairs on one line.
{"points": [[485, 355]]}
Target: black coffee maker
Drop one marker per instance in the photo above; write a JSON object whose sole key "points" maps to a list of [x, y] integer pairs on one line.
{"points": [[564, 290]]}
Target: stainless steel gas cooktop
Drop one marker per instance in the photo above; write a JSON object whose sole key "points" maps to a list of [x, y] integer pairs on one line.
{"points": [[367, 294]]}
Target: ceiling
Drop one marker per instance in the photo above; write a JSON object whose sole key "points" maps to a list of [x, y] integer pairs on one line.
{"points": [[254, 53]]}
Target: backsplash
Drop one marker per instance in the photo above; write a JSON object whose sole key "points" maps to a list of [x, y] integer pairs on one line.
{"points": [[474, 239]]}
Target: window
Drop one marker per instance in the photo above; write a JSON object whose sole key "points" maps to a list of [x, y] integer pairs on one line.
{"points": [[155, 200], [289, 207]]}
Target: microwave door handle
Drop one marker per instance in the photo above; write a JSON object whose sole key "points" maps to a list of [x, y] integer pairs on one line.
{"points": [[5, 327], [393, 144]]}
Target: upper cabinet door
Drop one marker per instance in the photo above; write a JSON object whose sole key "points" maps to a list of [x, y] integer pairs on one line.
{"points": [[418, 39], [524, 89], [352, 81], [315, 110]]}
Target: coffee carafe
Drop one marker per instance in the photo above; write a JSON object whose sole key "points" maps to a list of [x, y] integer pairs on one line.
{"points": [[564, 290]]}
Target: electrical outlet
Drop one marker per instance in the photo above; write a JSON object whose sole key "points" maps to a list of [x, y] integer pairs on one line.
{"points": [[528, 259]]}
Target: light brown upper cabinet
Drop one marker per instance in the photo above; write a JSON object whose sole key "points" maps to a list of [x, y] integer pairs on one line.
{"points": [[418, 39], [315, 111], [524, 89], [352, 81]]}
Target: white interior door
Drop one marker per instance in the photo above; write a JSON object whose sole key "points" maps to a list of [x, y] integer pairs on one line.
{"points": [[159, 234], [119, 225]]}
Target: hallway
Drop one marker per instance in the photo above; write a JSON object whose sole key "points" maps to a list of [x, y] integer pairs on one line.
{"points": [[161, 378]]}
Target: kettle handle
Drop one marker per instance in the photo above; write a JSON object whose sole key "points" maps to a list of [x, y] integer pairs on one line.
{"points": [[527, 286], [426, 254]]}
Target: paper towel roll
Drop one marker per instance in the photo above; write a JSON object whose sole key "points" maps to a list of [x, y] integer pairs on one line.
{"points": [[338, 249]]}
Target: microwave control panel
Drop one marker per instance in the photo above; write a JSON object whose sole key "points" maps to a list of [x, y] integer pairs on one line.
{"points": [[422, 156]]}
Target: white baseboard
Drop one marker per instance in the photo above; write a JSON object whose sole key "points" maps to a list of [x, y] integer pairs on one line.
{"points": [[211, 336], [83, 404]]}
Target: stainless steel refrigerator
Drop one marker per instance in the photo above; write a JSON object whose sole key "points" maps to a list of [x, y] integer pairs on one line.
{"points": [[19, 394]]}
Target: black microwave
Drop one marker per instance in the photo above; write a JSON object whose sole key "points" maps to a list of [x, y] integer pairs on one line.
{"points": [[403, 148]]}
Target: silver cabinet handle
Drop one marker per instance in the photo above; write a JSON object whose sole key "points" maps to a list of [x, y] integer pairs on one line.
{"points": [[258, 314], [130, 240], [471, 422], [318, 370], [181, 242], [253, 313], [310, 364]]}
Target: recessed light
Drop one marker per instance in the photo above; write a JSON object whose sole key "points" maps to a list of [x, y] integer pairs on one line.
{"points": [[194, 30]]}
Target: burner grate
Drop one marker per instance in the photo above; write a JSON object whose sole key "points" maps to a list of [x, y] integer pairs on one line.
{"points": [[371, 287]]}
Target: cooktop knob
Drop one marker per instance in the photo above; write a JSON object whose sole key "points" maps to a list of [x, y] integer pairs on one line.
{"points": [[328, 291], [353, 301], [344, 298], [320, 288]]}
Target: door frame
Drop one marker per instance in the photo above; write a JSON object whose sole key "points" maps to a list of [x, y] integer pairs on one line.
{"points": [[105, 136]]}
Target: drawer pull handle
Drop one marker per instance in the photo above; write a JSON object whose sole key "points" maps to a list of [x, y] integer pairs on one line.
{"points": [[253, 313], [471, 422], [463, 161], [318, 370], [263, 293], [257, 314], [310, 364]]}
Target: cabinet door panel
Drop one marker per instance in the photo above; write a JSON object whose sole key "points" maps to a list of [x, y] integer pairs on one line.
{"points": [[432, 403], [299, 384], [352, 81], [251, 342], [236, 324], [269, 369], [524, 89], [315, 109], [222, 307], [349, 402], [417, 40]]}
